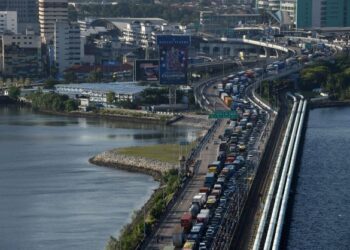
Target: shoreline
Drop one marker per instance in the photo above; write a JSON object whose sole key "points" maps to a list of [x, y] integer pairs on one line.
{"points": [[129, 168], [113, 159], [196, 121], [112, 117], [328, 104]]}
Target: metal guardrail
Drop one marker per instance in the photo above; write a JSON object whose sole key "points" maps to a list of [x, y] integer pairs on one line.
{"points": [[257, 43]]}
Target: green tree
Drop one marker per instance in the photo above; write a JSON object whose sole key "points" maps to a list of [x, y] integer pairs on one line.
{"points": [[52, 102], [69, 77], [313, 77], [110, 97], [95, 76], [70, 105], [127, 104], [50, 83], [27, 81], [152, 96], [14, 92], [53, 71]]}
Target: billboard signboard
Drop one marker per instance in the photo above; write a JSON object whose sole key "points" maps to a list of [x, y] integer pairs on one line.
{"points": [[173, 58], [147, 70]]}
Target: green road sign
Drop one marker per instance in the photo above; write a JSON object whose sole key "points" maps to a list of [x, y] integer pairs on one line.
{"points": [[223, 115]]}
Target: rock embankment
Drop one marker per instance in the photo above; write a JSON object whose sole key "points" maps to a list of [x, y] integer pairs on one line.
{"points": [[114, 159], [195, 121]]}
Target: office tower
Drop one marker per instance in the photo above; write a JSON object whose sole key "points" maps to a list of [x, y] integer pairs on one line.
{"points": [[66, 45], [273, 5], [313, 14], [8, 21], [51, 11], [27, 12], [20, 55]]}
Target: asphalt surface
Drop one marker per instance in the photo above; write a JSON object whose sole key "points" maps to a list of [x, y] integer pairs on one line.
{"points": [[208, 154]]}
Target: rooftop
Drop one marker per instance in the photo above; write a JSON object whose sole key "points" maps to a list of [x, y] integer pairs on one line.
{"points": [[116, 87], [102, 68], [122, 22]]}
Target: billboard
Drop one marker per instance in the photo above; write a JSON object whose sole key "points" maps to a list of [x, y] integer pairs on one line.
{"points": [[173, 58], [147, 70]]}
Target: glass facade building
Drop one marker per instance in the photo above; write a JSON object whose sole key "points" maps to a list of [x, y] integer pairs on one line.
{"points": [[323, 13]]}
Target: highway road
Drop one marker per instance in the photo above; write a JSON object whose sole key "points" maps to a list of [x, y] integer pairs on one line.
{"points": [[208, 96], [166, 229]]}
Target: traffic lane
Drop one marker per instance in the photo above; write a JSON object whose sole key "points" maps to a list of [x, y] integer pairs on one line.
{"points": [[213, 97], [167, 227]]}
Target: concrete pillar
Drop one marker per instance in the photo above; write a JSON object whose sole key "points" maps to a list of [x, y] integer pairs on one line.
{"points": [[267, 52], [277, 53], [211, 47]]}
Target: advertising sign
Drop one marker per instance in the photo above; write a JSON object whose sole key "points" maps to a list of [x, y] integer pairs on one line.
{"points": [[147, 70], [173, 58]]}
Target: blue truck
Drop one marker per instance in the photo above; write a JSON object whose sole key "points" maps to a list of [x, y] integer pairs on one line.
{"points": [[209, 180]]}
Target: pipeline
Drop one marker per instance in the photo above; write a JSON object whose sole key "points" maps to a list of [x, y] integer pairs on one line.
{"points": [[283, 209], [271, 191], [281, 185]]}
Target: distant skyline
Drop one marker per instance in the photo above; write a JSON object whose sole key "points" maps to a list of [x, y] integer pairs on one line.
{"points": [[27, 10]]}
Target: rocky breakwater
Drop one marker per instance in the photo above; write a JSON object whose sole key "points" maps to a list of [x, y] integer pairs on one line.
{"points": [[115, 159]]}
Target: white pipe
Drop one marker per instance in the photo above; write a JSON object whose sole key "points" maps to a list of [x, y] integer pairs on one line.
{"points": [[283, 210], [269, 197], [281, 185]]}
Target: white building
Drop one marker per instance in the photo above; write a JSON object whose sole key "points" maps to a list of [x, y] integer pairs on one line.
{"points": [[8, 21], [285, 6], [272, 5], [262, 4], [144, 33], [97, 92], [67, 45], [276, 5], [51, 11], [288, 6]]}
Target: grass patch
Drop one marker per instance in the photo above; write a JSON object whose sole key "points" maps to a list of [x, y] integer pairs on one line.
{"points": [[162, 152], [309, 94]]}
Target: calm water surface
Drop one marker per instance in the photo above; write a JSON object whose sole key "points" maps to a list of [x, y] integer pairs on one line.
{"points": [[320, 216], [51, 197]]}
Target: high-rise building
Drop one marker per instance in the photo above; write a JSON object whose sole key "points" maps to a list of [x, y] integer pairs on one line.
{"points": [[312, 14], [284, 8], [51, 11], [288, 6], [67, 44], [223, 24], [27, 12], [273, 5], [20, 54], [8, 21]]}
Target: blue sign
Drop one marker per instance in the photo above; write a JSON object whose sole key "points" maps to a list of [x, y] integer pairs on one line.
{"points": [[173, 58]]}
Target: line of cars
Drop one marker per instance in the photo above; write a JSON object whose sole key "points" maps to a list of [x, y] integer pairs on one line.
{"points": [[217, 199], [231, 89], [308, 54]]}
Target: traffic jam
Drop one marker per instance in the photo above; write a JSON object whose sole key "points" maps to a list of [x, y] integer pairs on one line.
{"points": [[215, 209]]}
